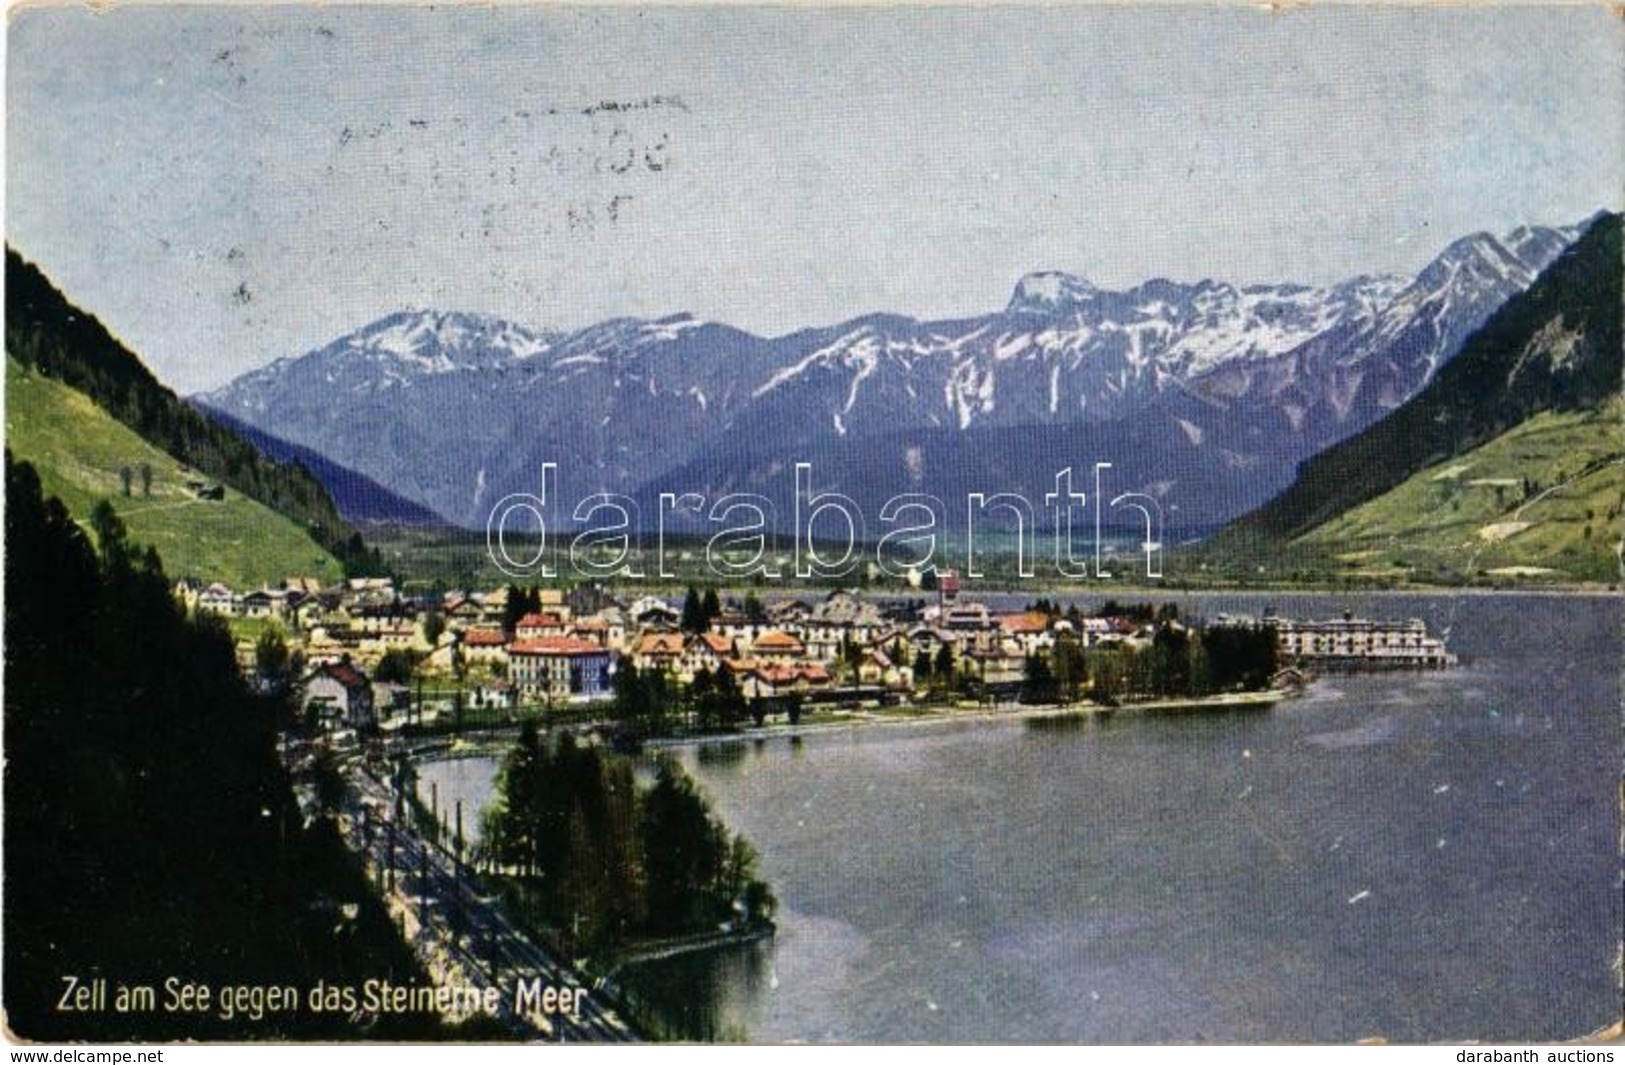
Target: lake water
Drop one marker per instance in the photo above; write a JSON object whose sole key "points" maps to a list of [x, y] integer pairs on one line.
{"points": [[1418, 857]]}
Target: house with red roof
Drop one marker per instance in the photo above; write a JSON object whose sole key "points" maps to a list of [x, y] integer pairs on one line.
{"points": [[771, 680], [537, 626], [778, 646], [559, 668], [341, 695], [705, 653], [1029, 633], [658, 650]]}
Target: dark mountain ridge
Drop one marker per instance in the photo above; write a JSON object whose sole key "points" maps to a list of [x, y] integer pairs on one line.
{"points": [[48, 334], [1555, 347]]}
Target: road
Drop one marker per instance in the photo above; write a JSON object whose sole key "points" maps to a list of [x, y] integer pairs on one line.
{"points": [[463, 937]]}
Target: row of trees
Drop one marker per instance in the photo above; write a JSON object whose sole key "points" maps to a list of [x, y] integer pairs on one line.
{"points": [[702, 608], [150, 829], [1178, 662], [650, 703], [127, 475], [1111, 608], [606, 860]]}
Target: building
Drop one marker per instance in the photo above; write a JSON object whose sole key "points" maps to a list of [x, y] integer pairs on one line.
{"points": [[1031, 632], [658, 651], [485, 647], [652, 610], [221, 600], [705, 653], [265, 603], [1360, 643], [778, 646], [341, 696], [772, 680], [559, 668], [539, 626], [877, 669]]}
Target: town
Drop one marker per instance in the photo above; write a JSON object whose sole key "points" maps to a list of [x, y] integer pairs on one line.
{"points": [[362, 658]]}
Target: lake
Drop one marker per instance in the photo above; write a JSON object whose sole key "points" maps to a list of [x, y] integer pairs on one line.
{"points": [[1412, 856]]}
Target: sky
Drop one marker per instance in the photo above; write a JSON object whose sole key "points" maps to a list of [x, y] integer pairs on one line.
{"points": [[224, 186]]}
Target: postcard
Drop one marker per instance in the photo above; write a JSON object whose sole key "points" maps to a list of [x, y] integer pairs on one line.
{"points": [[884, 524]]}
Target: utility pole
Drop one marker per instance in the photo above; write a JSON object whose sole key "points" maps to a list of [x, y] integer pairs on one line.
{"points": [[423, 887]]}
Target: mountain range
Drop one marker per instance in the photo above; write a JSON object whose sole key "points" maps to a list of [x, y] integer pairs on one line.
{"points": [[1205, 395], [1554, 349]]}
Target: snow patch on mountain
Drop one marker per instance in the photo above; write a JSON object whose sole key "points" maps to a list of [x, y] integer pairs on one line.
{"points": [[1050, 292], [1195, 359]]}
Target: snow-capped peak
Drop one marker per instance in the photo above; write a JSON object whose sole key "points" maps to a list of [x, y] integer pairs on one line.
{"points": [[1050, 292], [430, 341]]}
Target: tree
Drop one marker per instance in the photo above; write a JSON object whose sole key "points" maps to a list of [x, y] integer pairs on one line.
{"points": [[1071, 671], [146, 479], [605, 857], [1168, 661], [511, 828], [710, 606], [693, 619], [124, 476], [396, 667], [730, 700], [111, 537], [701, 697], [329, 780], [754, 609], [684, 852], [133, 744], [1038, 681], [1108, 675], [519, 603], [922, 666], [272, 660], [1240, 657], [631, 697], [659, 701], [851, 656], [434, 626]]}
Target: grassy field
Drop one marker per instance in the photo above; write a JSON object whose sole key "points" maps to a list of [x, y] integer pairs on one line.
{"points": [[1540, 503], [79, 450]]}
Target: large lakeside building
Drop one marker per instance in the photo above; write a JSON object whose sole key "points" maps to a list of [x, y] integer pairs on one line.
{"points": [[1360, 643]]}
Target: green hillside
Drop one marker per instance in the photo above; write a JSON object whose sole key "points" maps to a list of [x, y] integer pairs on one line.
{"points": [[1555, 347], [49, 335], [80, 450], [1542, 502]]}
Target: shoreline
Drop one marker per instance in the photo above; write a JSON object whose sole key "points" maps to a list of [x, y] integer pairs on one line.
{"points": [[985, 715], [654, 950], [489, 744]]}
